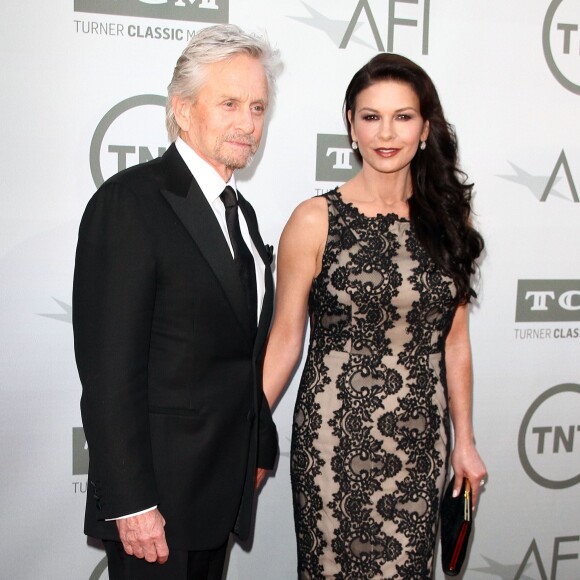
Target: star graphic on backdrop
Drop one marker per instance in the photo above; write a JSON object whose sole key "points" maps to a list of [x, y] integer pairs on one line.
{"points": [[535, 183], [335, 29], [64, 317], [503, 571]]}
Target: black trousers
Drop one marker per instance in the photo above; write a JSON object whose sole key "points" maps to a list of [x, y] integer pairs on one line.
{"points": [[181, 564]]}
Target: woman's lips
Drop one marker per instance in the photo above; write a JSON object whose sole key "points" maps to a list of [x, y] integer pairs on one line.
{"points": [[386, 151]]}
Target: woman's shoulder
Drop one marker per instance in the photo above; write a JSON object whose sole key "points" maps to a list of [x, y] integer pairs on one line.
{"points": [[308, 224], [311, 211]]}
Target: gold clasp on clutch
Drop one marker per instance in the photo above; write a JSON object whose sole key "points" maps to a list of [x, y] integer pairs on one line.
{"points": [[467, 501]]}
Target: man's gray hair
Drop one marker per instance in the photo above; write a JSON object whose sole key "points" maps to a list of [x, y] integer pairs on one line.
{"points": [[211, 45]]}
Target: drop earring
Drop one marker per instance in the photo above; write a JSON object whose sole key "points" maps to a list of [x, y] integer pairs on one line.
{"points": [[423, 145], [355, 145]]}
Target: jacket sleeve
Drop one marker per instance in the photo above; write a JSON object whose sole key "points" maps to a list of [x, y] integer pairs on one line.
{"points": [[113, 302], [267, 434], [267, 437]]}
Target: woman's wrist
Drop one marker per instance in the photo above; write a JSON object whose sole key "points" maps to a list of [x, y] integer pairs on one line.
{"points": [[464, 441]]}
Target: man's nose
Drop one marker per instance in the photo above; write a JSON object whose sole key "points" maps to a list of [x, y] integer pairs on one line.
{"points": [[245, 121]]}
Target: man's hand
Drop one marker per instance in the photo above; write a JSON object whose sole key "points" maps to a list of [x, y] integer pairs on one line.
{"points": [[143, 536], [260, 476]]}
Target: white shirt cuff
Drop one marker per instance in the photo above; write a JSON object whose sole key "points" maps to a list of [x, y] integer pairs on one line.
{"points": [[131, 515]]}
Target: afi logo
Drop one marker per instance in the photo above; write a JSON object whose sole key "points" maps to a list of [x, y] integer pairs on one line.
{"points": [[405, 29], [335, 159], [559, 552], [535, 183], [214, 11], [548, 301], [563, 164], [420, 19], [561, 42]]}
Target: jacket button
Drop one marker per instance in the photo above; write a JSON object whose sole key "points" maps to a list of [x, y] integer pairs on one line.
{"points": [[251, 416]]}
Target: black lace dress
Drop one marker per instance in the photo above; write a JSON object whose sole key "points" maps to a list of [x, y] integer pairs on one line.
{"points": [[371, 426]]}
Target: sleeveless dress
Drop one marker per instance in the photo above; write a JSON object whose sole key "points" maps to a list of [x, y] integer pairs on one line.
{"points": [[371, 426]]}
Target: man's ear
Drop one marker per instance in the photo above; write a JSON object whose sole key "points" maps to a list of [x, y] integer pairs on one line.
{"points": [[181, 111]]}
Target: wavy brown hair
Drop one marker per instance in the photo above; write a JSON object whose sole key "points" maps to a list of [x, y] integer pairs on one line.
{"points": [[440, 207]]}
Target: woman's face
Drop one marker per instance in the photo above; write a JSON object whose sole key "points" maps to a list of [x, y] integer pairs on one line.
{"points": [[388, 126]]}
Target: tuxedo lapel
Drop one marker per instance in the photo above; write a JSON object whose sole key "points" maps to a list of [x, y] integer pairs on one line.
{"points": [[252, 223], [195, 213], [266, 313]]}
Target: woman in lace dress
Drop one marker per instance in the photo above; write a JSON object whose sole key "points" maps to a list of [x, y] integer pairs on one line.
{"points": [[382, 267]]}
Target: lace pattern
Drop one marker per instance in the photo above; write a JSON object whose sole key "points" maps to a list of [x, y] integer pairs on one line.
{"points": [[369, 446]]}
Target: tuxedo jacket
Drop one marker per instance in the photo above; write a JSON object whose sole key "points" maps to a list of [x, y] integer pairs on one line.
{"points": [[169, 361]]}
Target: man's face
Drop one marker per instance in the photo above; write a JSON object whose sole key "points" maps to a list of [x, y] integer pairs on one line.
{"points": [[224, 124]]}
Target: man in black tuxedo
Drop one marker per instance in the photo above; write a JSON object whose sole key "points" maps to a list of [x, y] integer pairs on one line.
{"points": [[172, 302]]}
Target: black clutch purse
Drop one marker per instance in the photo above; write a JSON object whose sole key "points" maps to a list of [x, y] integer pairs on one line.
{"points": [[456, 521]]}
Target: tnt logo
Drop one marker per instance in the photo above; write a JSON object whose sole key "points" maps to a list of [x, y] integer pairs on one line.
{"points": [[549, 438], [548, 301], [80, 452], [99, 572], [214, 11], [335, 159], [561, 41], [132, 132]]}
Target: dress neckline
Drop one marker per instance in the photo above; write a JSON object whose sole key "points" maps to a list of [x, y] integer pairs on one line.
{"points": [[390, 216]]}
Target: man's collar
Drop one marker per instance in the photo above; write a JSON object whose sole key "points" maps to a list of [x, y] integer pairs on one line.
{"points": [[208, 179]]}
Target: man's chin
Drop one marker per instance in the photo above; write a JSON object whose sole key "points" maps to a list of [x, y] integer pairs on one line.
{"points": [[238, 162]]}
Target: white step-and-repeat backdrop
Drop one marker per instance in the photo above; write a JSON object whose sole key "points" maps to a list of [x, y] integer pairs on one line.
{"points": [[83, 88]]}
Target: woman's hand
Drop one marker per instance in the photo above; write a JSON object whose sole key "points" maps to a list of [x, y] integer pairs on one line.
{"points": [[466, 462]]}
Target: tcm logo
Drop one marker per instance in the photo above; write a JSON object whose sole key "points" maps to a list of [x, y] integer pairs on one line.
{"points": [[214, 11], [548, 301], [549, 438], [80, 452], [405, 23], [335, 159], [132, 132], [561, 42]]}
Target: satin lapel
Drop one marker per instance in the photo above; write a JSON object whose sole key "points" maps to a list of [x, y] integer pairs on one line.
{"points": [[267, 305], [195, 213], [267, 311]]}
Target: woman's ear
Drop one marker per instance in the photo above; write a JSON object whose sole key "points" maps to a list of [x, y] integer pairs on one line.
{"points": [[350, 120], [425, 132]]}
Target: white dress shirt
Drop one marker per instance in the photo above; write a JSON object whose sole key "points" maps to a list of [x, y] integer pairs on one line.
{"points": [[212, 185]]}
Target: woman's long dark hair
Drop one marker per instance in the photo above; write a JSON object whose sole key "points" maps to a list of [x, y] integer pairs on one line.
{"points": [[440, 207]]}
